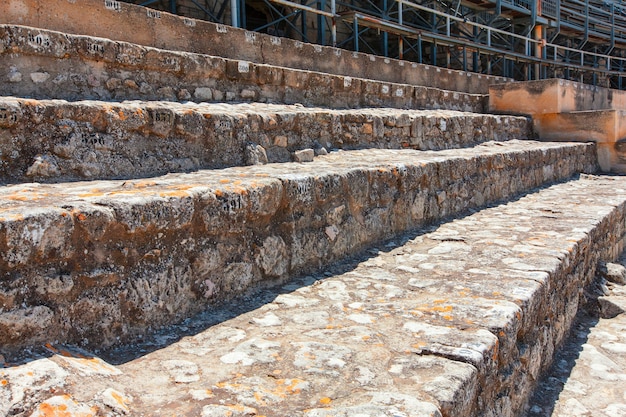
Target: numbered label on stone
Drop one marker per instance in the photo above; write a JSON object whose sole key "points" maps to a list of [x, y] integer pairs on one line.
{"points": [[113, 5], [250, 36], [232, 204], [8, 117], [95, 48], [39, 40], [93, 140]]}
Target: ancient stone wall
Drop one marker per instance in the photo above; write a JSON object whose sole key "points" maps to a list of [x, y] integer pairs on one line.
{"points": [[52, 140], [45, 64], [112, 19], [90, 263]]}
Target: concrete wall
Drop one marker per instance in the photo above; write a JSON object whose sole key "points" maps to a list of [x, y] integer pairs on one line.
{"points": [[568, 111], [135, 24], [553, 96]]}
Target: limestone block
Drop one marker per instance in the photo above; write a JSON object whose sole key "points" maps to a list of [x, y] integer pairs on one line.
{"points": [[304, 155], [613, 272], [255, 155]]}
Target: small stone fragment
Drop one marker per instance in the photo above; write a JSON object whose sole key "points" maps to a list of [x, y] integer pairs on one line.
{"points": [[117, 401], [131, 84], [280, 141], [612, 272], [184, 94], [44, 166], [39, 77], [304, 155], [15, 76], [247, 94], [113, 83], [321, 151], [203, 94], [255, 154], [611, 306]]}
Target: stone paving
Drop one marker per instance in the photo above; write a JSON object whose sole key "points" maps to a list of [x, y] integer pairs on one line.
{"points": [[94, 261], [456, 321], [588, 378]]}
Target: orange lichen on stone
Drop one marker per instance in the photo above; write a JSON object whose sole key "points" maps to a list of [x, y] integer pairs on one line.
{"points": [[442, 309], [4, 382], [15, 197], [92, 194], [123, 402], [178, 193], [144, 184], [325, 400], [496, 349]]}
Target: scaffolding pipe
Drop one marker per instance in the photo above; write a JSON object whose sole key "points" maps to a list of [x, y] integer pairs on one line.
{"points": [[234, 13]]}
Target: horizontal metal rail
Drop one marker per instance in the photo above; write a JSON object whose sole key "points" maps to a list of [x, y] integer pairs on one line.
{"points": [[305, 8], [529, 43]]}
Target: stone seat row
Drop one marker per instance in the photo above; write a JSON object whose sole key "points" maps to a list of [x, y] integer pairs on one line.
{"points": [[96, 262], [39, 63], [456, 320], [165, 31], [55, 140]]}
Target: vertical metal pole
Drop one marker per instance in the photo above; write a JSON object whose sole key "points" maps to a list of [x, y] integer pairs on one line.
{"points": [[464, 58], [234, 13], [321, 31], [355, 26], [419, 49], [385, 34], [400, 38], [538, 49], [173, 6], [333, 10]]}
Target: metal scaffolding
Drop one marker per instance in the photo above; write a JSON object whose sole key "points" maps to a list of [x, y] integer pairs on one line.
{"points": [[582, 40]]}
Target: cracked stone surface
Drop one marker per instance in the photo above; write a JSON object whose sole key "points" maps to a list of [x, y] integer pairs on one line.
{"points": [[446, 322], [589, 372], [95, 262], [53, 140]]}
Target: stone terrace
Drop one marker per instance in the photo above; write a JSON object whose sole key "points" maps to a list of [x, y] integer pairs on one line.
{"points": [[210, 222], [52, 140], [456, 321]]}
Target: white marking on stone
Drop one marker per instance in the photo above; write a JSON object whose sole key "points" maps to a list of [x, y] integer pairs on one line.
{"points": [[243, 66], [250, 37], [113, 5]]}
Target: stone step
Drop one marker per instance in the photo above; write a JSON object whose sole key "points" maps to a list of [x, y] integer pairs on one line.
{"points": [[38, 63], [95, 262], [53, 140], [570, 111], [553, 96], [455, 321], [112, 19], [607, 128]]}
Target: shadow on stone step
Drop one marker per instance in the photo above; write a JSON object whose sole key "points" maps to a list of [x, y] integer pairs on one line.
{"points": [[597, 306]]}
